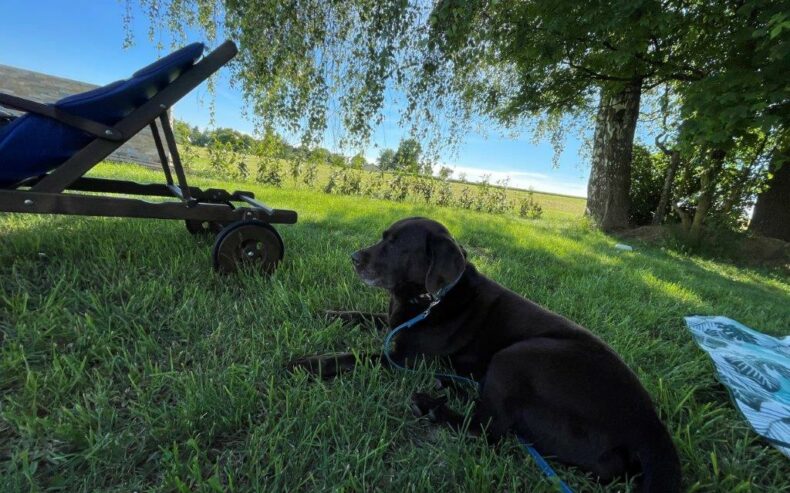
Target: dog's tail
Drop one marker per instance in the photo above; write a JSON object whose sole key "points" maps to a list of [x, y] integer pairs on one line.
{"points": [[660, 464]]}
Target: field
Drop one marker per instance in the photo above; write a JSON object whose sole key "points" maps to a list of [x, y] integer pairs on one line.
{"points": [[198, 160], [126, 364]]}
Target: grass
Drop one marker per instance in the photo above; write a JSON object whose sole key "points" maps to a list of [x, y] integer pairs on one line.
{"points": [[127, 365]]}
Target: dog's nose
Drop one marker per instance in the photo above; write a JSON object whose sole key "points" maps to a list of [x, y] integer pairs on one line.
{"points": [[356, 258]]}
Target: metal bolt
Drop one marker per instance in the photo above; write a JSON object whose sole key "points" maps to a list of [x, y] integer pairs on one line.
{"points": [[28, 202], [108, 132]]}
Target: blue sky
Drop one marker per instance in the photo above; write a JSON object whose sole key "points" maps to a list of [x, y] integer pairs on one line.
{"points": [[83, 40]]}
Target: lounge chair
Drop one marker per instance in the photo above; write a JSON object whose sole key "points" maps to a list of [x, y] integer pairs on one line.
{"points": [[45, 154]]}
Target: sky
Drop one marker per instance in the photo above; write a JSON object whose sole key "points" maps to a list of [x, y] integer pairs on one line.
{"points": [[84, 40]]}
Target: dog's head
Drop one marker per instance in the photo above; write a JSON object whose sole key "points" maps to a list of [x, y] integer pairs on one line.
{"points": [[415, 255]]}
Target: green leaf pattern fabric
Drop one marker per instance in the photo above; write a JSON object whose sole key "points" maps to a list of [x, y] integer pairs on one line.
{"points": [[755, 368]]}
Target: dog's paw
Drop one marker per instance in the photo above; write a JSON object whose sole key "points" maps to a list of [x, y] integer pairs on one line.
{"points": [[423, 405]]}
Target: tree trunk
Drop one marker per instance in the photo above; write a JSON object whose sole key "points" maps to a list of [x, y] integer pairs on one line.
{"points": [[707, 190], [608, 199], [772, 211], [666, 192]]}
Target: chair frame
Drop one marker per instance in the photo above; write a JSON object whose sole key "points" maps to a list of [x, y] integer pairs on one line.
{"points": [[48, 194]]}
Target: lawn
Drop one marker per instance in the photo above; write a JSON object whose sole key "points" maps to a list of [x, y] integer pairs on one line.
{"points": [[126, 364]]}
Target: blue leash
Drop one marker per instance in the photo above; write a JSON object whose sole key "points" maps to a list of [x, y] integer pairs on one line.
{"points": [[544, 466]]}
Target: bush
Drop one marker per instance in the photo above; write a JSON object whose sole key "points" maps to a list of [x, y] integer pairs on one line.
{"points": [[492, 199], [423, 188], [529, 208], [242, 171], [444, 194], [219, 155], [498, 202], [188, 154], [310, 174], [269, 172], [334, 181], [398, 188], [295, 169], [374, 188], [466, 201], [350, 182], [647, 180]]}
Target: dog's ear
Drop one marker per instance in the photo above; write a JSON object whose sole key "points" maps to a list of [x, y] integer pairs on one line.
{"points": [[447, 262]]}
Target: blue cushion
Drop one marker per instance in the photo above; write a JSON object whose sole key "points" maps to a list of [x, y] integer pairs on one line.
{"points": [[32, 145]]}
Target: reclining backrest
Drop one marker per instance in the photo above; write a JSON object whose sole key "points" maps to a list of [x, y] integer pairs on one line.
{"points": [[32, 145]]}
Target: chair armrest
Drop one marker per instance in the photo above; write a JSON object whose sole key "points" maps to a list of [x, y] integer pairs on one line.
{"points": [[92, 127]]}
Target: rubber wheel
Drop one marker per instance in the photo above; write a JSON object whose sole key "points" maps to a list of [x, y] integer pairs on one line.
{"points": [[247, 244], [197, 227]]}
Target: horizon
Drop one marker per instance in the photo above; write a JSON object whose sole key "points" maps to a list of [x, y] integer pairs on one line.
{"points": [[527, 164]]}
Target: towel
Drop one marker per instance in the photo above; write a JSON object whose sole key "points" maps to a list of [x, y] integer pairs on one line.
{"points": [[755, 368]]}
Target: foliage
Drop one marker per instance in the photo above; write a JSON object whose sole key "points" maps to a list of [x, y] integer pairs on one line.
{"points": [[358, 162], [529, 208], [457, 62], [295, 169], [466, 199], [387, 159], [269, 172], [242, 171], [445, 173], [408, 157], [350, 182], [647, 181], [398, 188], [423, 188], [310, 174], [220, 156], [332, 183], [444, 194]]}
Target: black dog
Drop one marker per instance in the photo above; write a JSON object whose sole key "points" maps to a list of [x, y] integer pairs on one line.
{"points": [[544, 377]]}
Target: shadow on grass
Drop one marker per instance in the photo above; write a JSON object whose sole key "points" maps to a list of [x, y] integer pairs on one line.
{"points": [[138, 302]]}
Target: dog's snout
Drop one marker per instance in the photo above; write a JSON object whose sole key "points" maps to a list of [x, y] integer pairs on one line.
{"points": [[357, 258]]}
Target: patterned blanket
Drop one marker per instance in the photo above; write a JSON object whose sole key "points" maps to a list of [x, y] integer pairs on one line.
{"points": [[756, 370]]}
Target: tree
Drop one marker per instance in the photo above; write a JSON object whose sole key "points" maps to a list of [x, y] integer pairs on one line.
{"points": [[732, 118], [445, 173], [454, 60], [771, 215], [608, 200], [386, 159], [358, 161], [408, 156]]}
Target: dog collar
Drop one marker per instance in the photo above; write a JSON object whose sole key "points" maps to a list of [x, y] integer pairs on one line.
{"points": [[433, 298]]}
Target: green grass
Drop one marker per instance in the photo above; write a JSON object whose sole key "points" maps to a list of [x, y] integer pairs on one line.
{"points": [[127, 365]]}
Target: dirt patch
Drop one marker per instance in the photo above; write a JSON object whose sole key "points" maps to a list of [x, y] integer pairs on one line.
{"points": [[647, 234], [739, 248], [761, 250]]}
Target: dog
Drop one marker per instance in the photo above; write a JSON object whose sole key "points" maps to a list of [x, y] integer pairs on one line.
{"points": [[541, 376]]}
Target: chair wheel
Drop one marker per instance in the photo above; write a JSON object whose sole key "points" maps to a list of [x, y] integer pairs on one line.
{"points": [[253, 244], [197, 227]]}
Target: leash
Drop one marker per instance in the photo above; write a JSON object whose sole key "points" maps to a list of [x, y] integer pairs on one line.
{"points": [[544, 466]]}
